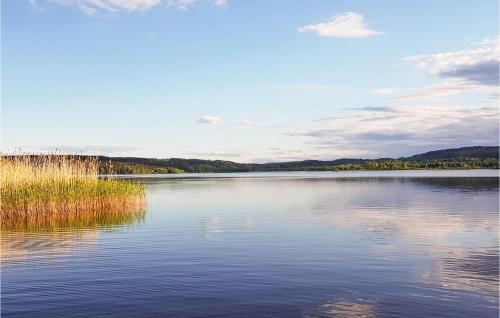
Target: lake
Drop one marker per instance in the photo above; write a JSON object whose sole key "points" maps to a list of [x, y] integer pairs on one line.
{"points": [[320, 244]]}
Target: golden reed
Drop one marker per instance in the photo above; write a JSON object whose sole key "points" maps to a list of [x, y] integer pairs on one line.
{"points": [[42, 187]]}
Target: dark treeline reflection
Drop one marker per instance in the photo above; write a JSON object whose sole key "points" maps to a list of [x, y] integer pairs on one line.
{"points": [[452, 183], [464, 184]]}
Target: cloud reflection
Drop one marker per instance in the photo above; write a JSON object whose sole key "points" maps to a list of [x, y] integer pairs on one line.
{"points": [[452, 225], [19, 249], [213, 226], [344, 309]]}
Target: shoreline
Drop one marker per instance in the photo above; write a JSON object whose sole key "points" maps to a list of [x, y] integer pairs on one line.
{"points": [[446, 173]]}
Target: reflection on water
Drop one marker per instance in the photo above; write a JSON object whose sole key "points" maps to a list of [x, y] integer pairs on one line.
{"points": [[268, 247], [21, 248], [37, 238], [464, 270], [72, 221], [462, 240], [460, 183], [344, 309]]}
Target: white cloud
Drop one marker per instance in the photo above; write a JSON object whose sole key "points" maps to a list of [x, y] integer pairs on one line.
{"points": [[462, 71], [384, 91], [220, 3], [346, 25], [93, 7], [211, 120], [109, 5], [399, 131], [478, 66]]}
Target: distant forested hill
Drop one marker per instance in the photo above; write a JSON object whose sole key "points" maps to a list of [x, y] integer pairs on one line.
{"points": [[458, 158], [457, 153]]}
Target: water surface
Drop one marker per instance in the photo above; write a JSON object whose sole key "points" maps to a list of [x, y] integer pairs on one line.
{"points": [[384, 244]]}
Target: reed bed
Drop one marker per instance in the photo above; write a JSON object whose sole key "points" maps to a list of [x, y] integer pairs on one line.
{"points": [[33, 188]]}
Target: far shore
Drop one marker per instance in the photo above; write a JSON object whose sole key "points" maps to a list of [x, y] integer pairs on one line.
{"points": [[320, 174]]}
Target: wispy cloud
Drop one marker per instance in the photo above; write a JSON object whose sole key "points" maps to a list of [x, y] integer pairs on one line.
{"points": [[384, 91], [94, 7], [462, 71], [220, 3], [479, 66], [210, 120], [35, 6], [179, 4], [82, 149], [316, 87], [440, 91], [346, 25], [489, 41], [398, 131], [377, 109]]}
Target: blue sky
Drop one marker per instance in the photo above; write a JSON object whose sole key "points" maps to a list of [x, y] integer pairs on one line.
{"points": [[249, 80]]}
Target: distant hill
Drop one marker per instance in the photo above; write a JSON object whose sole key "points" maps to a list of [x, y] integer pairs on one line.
{"points": [[457, 153], [457, 158]]}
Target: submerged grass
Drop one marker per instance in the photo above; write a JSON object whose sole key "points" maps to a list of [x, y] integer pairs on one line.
{"points": [[36, 187]]}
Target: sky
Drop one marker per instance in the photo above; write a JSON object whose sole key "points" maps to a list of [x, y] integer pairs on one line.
{"points": [[249, 81]]}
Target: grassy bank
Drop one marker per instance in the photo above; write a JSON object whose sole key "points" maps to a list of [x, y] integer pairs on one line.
{"points": [[33, 187]]}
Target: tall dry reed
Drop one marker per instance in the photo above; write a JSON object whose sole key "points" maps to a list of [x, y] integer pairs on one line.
{"points": [[53, 184]]}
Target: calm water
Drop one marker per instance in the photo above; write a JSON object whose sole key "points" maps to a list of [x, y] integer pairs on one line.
{"points": [[411, 244]]}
